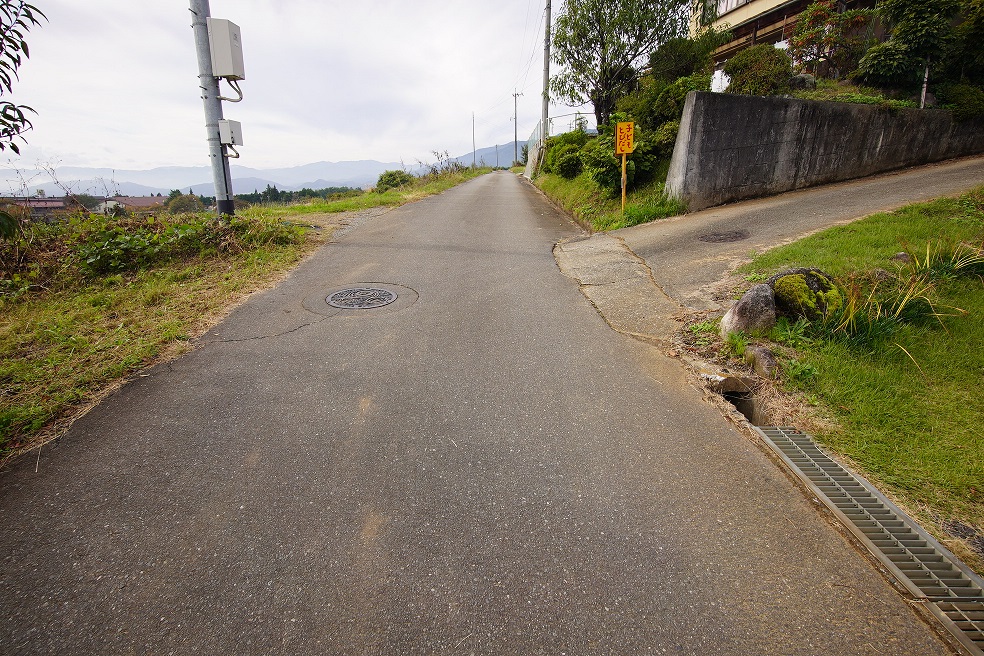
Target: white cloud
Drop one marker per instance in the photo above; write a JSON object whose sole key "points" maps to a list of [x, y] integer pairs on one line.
{"points": [[115, 81]]}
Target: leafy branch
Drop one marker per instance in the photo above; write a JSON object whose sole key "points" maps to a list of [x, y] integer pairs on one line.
{"points": [[16, 19]]}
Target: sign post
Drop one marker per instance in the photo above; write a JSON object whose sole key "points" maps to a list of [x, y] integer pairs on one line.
{"points": [[624, 145]]}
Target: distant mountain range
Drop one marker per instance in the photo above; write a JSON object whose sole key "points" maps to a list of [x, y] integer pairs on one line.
{"points": [[198, 179]]}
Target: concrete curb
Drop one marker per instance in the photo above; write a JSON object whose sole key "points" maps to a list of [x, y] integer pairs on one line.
{"points": [[621, 287]]}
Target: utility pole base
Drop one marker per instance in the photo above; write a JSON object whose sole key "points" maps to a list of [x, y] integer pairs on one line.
{"points": [[225, 207]]}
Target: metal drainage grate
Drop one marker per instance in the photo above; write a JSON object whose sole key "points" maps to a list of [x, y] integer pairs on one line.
{"points": [[922, 565], [361, 298], [723, 237]]}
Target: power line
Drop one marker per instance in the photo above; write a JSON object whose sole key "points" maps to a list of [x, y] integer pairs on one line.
{"points": [[524, 74]]}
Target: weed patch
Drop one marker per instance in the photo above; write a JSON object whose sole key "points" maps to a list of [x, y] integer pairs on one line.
{"points": [[898, 366], [593, 207]]}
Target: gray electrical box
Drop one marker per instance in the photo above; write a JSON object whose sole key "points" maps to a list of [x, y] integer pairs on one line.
{"points": [[226, 46], [230, 133]]}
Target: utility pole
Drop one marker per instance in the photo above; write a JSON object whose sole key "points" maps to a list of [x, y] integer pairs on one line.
{"points": [[544, 118], [209, 84], [516, 126], [473, 140]]}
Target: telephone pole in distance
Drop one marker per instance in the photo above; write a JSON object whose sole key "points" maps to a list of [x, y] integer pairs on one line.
{"points": [[516, 127]]}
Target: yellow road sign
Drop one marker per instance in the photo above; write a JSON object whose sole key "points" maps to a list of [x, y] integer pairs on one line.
{"points": [[624, 135]]}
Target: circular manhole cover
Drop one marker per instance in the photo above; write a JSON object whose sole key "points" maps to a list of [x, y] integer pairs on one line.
{"points": [[723, 237], [361, 298]]}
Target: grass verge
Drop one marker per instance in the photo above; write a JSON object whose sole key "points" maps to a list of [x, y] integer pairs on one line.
{"points": [[427, 185], [90, 301], [63, 350], [905, 407], [595, 209]]}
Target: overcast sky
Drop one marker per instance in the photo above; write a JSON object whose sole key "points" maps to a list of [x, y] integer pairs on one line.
{"points": [[115, 84]]}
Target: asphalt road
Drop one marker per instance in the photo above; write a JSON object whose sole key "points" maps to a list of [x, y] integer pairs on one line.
{"points": [[481, 467], [687, 262]]}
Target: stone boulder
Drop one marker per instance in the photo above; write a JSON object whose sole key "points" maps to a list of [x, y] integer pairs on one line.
{"points": [[809, 293], [762, 360], [754, 313], [802, 81]]}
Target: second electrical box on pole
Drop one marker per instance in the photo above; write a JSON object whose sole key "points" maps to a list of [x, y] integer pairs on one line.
{"points": [[226, 45], [230, 133]]}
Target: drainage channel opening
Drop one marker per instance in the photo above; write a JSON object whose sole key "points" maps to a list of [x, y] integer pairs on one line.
{"points": [[744, 403], [361, 298], [930, 573], [749, 405]]}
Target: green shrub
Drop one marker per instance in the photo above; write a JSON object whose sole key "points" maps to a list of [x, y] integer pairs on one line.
{"points": [[669, 104], [560, 147], [761, 70], [664, 138], [966, 101], [656, 101], [569, 166], [556, 153], [888, 65], [647, 161], [392, 179], [600, 163], [677, 58], [185, 203], [105, 245]]}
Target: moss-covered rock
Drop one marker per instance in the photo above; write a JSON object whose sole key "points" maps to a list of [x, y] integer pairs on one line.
{"points": [[809, 293]]}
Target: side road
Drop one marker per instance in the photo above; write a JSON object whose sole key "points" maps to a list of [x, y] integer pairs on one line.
{"points": [[643, 279], [689, 254]]}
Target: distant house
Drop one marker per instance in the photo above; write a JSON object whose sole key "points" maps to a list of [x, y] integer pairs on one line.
{"points": [[131, 203], [38, 205]]}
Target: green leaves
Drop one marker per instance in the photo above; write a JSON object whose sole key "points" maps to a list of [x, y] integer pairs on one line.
{"points": [[16, 18], [921, 31], [824, 35], [601, 43], [889, 64], [392, 179], [132, 244], [760, 70], [9, 226], [921, 26]]}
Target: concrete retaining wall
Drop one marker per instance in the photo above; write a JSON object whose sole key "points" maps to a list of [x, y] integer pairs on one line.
{"points": [[732, 147]]}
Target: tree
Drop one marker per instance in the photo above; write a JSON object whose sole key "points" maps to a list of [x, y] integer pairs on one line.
{"points": [[682, 57], [272, 195], [600, 44], [920, 31], [185, 203], [822, 35], [86, 201], [16, 18]]}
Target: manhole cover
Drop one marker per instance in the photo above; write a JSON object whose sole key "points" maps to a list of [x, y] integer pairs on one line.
{"points": [[361, 298], [723, 237]]}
